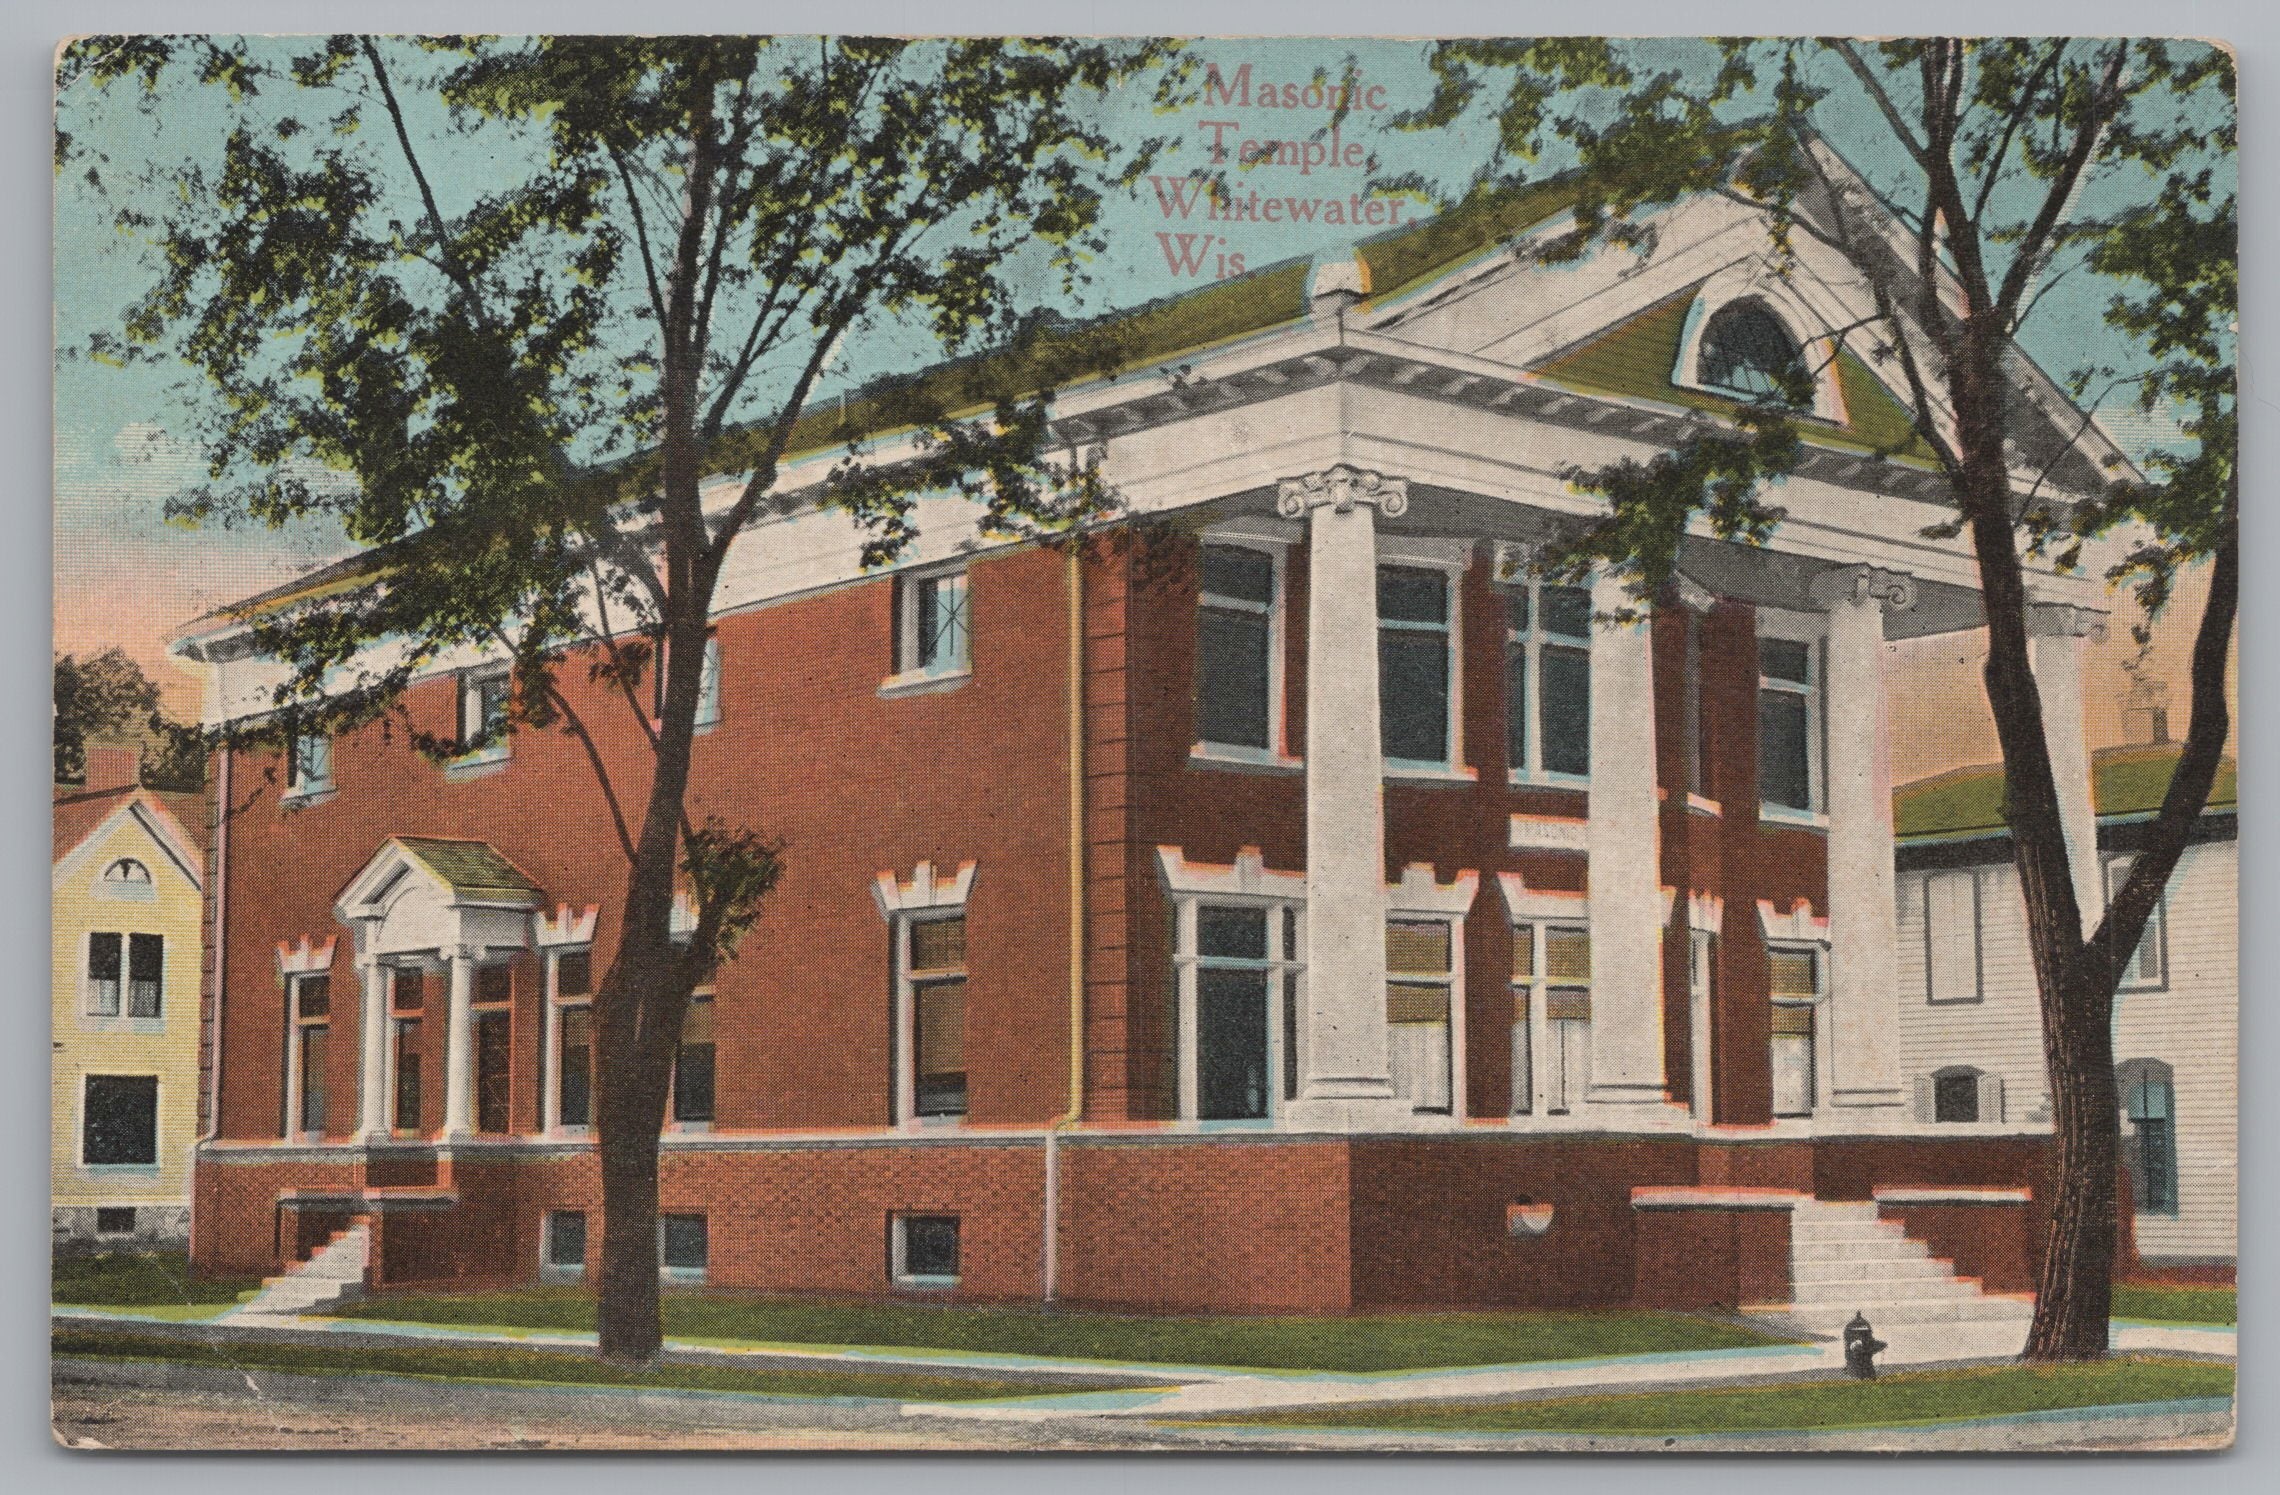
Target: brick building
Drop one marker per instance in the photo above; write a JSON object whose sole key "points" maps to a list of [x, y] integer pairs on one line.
{"points": [[1305, 911]]}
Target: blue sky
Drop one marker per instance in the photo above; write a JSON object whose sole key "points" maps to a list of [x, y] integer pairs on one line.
{"points": [[120, 447]]}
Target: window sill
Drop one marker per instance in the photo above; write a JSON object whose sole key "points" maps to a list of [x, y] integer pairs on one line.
{"points": [[1800, 820], [302, 799], [923, 682], [1520, 778], [1430, 773], [150, 1027], [111, 892], [1244, 759], [682, 1276], [926, 1284], [935, 1123], [678, 1128], [120, 1170], [476, 767], [562, 1275], [1703, 805]]}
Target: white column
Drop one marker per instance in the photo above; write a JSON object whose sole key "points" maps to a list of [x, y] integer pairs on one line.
{"points": [[372, 1075], [2057, 632], [1864, 949], [1623, 841], [459, 1048], [1345, 1048]]}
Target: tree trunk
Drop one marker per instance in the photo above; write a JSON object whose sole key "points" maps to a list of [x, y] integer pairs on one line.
{"points": [[627, 1312], [2074, 1293]]}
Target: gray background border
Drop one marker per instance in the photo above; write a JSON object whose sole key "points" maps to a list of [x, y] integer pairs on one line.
{"points": [[28, 32]]}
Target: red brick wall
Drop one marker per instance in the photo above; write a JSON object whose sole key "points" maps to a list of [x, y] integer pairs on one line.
{"points": [[806, 750], [1429, 1219], [1219, 1225], [1711, 1258]]}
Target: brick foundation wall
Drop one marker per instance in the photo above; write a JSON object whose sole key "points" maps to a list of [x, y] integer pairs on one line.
{"points": [[1711, 1258], [1986, 1241]]}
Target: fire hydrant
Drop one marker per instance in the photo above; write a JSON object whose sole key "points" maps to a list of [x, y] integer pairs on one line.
{"points": [[1861, 1347]]}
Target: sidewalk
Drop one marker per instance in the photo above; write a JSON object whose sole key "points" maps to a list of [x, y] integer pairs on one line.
{"points": [[1074, 1388]]}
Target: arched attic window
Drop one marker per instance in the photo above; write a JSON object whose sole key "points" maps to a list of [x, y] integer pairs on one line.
{"points": [[1748, 353], [126, 872]]}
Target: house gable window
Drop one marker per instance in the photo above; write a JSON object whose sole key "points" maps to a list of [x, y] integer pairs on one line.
{"points": [[119, 1121], [1953, 960], [1547, 681], [933, 625], [308, 766], [1416, 667], [1789, 727], [1238, 669], [1746, 352], [2147, 969], [129, 879]]}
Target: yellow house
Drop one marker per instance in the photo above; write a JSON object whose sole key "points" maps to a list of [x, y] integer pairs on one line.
{"points": [[128, 899]]}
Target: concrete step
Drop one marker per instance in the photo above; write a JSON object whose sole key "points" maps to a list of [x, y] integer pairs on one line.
{"points": [[1884, 1290], [333, 1274], [1883, 1248], [1880, 1269], [1980, 1308], [1845, 1230]]}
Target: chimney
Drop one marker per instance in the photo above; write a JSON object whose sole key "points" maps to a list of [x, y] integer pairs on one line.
{"points": [[113, 763], [1336, 285], [2145, 711]]}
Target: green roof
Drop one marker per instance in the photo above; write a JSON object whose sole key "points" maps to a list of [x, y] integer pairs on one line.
{"points": [[471, 868], [1637, 357], [1968, 802]]}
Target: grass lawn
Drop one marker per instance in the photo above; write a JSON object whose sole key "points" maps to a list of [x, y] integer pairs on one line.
{"points": [[2177, 1305], [1891, 1401], [511, 1366], [1370, 1342], [154, 1282]]}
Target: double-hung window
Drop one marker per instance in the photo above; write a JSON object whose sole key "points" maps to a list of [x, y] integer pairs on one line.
{"points": [[1551, 985], [708, 683], [1547, 680], [483, 697], [1789, 727], [933, 632], [931, 953], [1235, 650], [1240, 958], [309, 1009], [308, 766], [104, 977], [1952, 956], [2147, 969], [1419, 1000], [407, 1003], [693, 1064], [1794, 984], [494, 1048], [2149, 1106], [126, 975], [573, 998], [1416, 657]]}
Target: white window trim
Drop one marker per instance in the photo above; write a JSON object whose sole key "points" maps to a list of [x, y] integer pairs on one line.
{"points": [[911, 678], [1532, 643], [927, 895], [1810, 630], [1283, 1047], [1451, 558], [1277, 753], [471, 715], [1747, 282], [1705, 926], [150, 1169], [550, 1093], [2116, 869], [1418, 899], [299, 787], [295, 1081], [897, 1269], [1823, 1038], [1933, 938]]}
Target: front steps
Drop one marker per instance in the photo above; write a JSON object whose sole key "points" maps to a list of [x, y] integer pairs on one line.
{"points": [[1844, 1260], [333, 1275]]}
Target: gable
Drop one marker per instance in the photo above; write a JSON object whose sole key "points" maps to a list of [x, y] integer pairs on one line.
{"points": [[141, 831], [1638, 359]]}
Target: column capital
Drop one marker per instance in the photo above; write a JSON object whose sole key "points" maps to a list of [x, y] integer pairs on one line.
{"points": [[2064, 620], [1843, 585], [472, 954], [1341, 487]]}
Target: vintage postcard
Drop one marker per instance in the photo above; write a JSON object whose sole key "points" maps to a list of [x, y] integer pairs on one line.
{"points": [[1036, 743]]}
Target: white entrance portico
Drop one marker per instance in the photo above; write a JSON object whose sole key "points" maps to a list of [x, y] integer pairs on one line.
{"points": [[430, 901]]}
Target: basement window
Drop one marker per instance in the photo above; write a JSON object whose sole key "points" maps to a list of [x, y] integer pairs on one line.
{"points": [[924, 1251], [115, 1219], [565, 1256], [684, 1246]]}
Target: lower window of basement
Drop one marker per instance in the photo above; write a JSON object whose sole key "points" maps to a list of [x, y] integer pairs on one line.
{"points": [[925, 1251]]}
